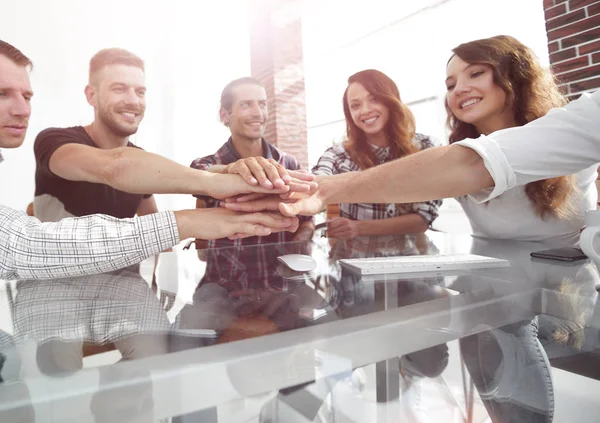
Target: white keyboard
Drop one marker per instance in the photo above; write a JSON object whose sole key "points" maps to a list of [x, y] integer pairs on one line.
{"points": [[416, 264]]}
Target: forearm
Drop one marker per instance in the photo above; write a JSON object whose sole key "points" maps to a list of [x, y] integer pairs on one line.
{"points": [[217, 169], [432, 174], [79, 246], [411, 223], [140, 172]]}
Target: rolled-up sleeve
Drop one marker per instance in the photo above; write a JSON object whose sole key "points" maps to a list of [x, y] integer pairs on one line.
{"points": [[564, 142], [428, 210]]}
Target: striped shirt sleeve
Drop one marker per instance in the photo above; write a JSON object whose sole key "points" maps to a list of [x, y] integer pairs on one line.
{"points": [[78, 246]]}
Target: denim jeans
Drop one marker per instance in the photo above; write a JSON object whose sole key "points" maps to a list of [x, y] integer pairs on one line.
{"points": [[511, 372]]}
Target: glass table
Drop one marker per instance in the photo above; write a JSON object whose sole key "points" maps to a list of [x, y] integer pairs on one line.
{"points": [[231, 334]]}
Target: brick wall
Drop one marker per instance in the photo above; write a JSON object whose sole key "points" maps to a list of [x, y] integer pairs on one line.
{"points": [[277, 61], [573, 28]]}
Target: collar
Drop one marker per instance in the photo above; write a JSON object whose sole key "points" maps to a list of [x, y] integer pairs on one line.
{"points": [[381, 153], [269, 151]]}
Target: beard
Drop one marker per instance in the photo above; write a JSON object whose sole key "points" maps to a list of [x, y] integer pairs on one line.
{"points": [[107, 119]]}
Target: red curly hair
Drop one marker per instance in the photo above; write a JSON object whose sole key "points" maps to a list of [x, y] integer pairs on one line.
{"points": [[400, 127]]}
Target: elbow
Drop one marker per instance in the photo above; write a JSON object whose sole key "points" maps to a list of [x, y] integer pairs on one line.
{"points": [[481, 174], [476, 176]]}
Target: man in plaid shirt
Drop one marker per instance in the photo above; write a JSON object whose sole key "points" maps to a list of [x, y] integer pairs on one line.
{"points": [[244, 112]]}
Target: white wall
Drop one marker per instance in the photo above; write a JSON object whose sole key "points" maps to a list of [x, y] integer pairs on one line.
{"points": [[409, 41], [190, 55]]}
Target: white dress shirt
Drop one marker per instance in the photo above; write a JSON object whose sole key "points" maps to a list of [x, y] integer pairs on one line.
{"points": [[564, 142], [87, 245]]}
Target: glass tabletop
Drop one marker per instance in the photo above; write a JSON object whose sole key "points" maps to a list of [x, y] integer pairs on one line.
{"points": [[192, 335]]}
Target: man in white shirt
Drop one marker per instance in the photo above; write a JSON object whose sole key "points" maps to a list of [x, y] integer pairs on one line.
{"points": [[99, 243], [565, 141]]}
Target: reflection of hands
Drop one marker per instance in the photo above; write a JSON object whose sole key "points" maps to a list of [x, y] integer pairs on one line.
{"points": [[217, 223], [263, 301], [305, 232], [340, 227], [270, 174]]}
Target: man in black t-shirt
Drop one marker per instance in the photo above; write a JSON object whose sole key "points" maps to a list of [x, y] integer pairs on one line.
{"points": [[74, 165]]}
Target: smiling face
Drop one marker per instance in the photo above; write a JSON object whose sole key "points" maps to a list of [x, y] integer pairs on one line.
{"points": [[118, 94], [248, 115], [368, 113], [15, 109], [474, 98]]}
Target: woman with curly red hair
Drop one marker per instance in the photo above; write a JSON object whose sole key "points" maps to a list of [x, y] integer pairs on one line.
{"points": [[379, 129]]}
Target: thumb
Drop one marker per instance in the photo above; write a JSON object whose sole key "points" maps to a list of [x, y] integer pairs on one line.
{"points": [[289, 210], [254, 229]]}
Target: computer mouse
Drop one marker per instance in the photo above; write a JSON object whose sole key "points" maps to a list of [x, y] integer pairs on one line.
{"points": [[298, 262]]}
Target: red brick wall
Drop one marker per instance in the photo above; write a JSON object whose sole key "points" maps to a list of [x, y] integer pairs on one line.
{"points": [[277, 61], [573, 28]]}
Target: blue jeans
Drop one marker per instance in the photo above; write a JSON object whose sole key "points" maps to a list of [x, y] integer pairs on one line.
{"points": [[511, 372]]}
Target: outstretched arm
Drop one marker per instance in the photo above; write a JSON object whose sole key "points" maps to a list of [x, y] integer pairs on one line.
{"points": [[140, 172], [435, 173], [93, 244]]}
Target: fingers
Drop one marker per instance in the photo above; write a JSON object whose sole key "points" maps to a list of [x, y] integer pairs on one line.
{"points": [[270, 220], [339, 232], [297, 185], [265, 204], [288, 209], [293, 227], [266, 172], [246, 197], [263, 190], [244, 171], [302, 175], [239, 236], [282, 173], [334, 223], [251, 229], [269, 174]]}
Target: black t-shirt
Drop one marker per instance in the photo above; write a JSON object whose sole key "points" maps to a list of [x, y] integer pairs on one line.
{"points": [[56, 198]]}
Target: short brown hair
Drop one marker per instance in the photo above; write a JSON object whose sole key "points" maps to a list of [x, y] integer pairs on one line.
{"points": [[14, 54], [114, 56], [227, 93]]}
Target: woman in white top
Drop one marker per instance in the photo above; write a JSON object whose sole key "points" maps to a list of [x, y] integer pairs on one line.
{"points": [[498, 83], [494, 84]]}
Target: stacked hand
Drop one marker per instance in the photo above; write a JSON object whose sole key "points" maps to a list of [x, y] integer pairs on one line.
{"points": [[273, 188], [221, 223], [294, 204], [257, 185]]}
